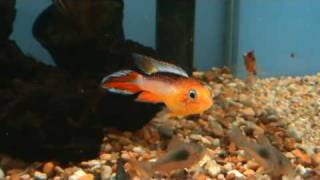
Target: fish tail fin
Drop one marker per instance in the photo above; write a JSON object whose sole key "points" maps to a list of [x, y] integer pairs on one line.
{"points": [[122, 82]]}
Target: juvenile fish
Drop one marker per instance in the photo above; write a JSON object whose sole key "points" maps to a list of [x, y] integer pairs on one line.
{"points": [[273, 161], [180, 155], [250, 62]]}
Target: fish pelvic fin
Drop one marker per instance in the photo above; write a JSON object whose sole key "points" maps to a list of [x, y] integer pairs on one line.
{"points": [[151, 66], [122, 82], [148, 97]]}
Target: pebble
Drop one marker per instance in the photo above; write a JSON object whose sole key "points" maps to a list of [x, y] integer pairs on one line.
{"points": [[77, 175], [304, 157], [105, 156], [297, 135], [2, 175], [87, 177], [238, 175], [139, 150], [92, 163], [316, 158], [228, 166], [40, 176], [215, 127], [106, 172], [249, 172], [248, 111], [252, 165], [213, 168], [25, 177], [221, 177]]}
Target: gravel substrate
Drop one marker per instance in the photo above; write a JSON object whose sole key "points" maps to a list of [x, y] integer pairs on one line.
{"points": [[286, 110]]}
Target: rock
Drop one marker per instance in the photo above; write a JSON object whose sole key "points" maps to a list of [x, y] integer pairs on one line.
{"points": [[252, 165], [316, 158], [139, 150], [215, 127], [304, 157], [78, 174], [106, 172], [92, 164], [25, 177], [249, 173], [105, 156], [301, 169], [40, 176], [213, 168], [228, 166], [297, 135], [230, 176], [248, 111], [87, 177], [221, 177], [238, 175]]}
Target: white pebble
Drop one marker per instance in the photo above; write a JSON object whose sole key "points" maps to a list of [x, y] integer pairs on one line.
{"points": [[78, 174], [106, 172], [239, 175], [1, 174], [213, 168], [40, 176], [138, 149]]}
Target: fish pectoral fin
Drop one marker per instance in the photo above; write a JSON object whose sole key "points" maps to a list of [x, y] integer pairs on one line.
{"points": [[148, 97]]}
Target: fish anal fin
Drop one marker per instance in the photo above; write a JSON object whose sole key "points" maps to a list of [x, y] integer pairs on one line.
{"points": [[148, 97]]}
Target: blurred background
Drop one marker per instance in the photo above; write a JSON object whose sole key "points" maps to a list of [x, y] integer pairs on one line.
{"points": [[209, 33]]}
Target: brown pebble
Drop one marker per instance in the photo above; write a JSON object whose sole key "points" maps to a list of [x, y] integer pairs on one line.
{"points": [[105, 156], [304, 157], [249, 172], [48, 168], [230, 176], [87, 177], [202, 177], [316, 158], [252, 165]]}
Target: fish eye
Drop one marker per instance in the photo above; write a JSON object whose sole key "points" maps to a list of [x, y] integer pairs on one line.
{"points": [[192, 94]]}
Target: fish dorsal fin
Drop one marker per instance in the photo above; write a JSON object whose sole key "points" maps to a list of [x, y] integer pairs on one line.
{"points": [[150, 66]]}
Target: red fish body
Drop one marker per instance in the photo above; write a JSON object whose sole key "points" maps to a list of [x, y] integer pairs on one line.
{"points": [[250, 62], [162, 83]]}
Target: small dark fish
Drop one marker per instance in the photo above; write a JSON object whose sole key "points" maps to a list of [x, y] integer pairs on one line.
{"points": [[180, 155], [273, 161]]}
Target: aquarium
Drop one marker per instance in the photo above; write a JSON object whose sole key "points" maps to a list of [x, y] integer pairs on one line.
{"points": [[159, 89]]}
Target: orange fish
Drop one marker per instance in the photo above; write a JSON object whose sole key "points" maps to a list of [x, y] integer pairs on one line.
{"points": [[179, 155], [250, 62], [161, 82], [273, 161]]}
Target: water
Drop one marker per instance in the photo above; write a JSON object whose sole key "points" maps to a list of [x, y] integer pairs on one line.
{"points": [[52, 106]]}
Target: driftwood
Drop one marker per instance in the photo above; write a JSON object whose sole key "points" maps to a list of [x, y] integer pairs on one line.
{"points": [[60, 112]]}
